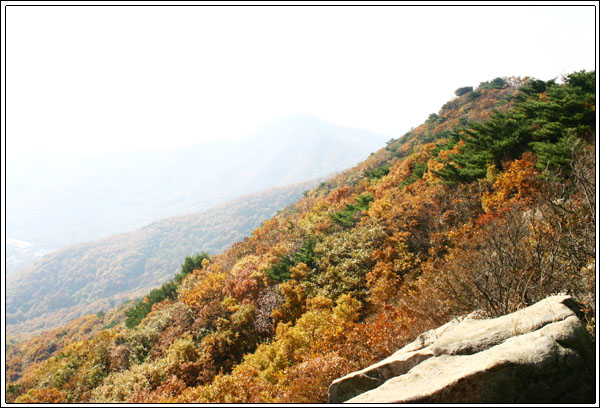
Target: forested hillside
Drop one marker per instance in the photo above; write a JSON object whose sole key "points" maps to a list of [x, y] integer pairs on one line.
{"points": [[490, 205], [57, 202], [97, 275], [31, 349]]}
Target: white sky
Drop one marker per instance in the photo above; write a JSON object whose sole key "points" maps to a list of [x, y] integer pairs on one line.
{"points": [[95, 79]]}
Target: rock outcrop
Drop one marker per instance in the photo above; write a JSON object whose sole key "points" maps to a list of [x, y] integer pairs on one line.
{"points": [[540, 354]]}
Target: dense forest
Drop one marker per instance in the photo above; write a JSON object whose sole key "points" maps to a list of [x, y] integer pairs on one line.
{"points": [[489, 205], [97, 275]]}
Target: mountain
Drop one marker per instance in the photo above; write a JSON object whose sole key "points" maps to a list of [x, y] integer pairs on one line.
{"points": [[53, 202], [488, 206], [96, 275]]}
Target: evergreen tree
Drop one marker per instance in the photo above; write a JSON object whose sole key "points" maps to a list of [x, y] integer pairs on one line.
{"points": [[167, 291], [545, 118]]}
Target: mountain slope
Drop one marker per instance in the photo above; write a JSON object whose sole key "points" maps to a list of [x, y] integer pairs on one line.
{"points": [[57, 202], [96, 275], [487, 206]]}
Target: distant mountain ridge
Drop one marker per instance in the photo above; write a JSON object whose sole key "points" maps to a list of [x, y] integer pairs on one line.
{"points": [[52, 203], [96, 275]]}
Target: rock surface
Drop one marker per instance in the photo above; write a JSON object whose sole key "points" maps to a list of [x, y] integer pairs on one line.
{"points": [[541, 354]]}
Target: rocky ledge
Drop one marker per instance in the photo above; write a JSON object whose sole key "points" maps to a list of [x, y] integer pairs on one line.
{"points": [[540, 354]]}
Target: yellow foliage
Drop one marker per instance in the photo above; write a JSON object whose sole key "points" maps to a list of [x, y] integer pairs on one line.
{"points": [[43, 396], [517, 184], [208, 289], [381, 206], [444, 154]]}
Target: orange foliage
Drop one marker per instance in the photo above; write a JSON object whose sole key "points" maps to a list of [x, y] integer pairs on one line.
{"points": [[422, 253], [43, 396], [245, 282], [308, 382], [208, 290], [338, 195], [294, 297], [170, 388], [518, 184]]}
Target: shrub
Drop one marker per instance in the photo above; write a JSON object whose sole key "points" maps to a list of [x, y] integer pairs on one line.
{"points": [[378, 172], [417, 171], [167, 291], [463, 90], [280, 271], [432, 118], [496, 83], [348, 216], [473, 95]]}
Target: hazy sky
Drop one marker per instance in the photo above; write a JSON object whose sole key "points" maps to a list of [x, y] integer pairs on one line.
{"points": [[95, 79]]}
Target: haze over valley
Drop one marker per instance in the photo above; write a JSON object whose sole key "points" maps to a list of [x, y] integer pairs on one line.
{"points": [[57, 201]]}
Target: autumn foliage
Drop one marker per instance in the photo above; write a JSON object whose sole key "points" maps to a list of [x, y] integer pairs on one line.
{"points": [[473, 210]]}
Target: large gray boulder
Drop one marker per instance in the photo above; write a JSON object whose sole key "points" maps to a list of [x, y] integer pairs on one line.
{"points": [[540, 354]]}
